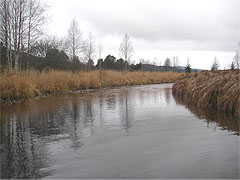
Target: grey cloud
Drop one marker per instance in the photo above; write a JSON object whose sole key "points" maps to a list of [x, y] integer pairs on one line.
{"points": [[216, 27]]}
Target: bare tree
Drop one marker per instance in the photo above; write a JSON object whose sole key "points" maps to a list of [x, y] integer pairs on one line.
{"points": [[160, 63], [36, 20], [175, 62], [142, 61], [18, 19], [100, 60], [126, 48], [4, 28], [41, 47], [100, 50], [89, 50], [236, 60], [74, 39], [155, 61], [21, 20], [167, 64]]}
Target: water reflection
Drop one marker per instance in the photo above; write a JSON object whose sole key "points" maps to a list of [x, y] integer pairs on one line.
{"points": [[28, 128], [212, 117], [111, 101], [167, 92], [124, 111], [21, 155], [75, 135], [23, 151], [32, 132]]}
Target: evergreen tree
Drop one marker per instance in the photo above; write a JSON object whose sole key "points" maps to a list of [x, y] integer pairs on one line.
{"points": [[232, 66], [188, 67], [215, 65], [99, 64], [109, 62]]}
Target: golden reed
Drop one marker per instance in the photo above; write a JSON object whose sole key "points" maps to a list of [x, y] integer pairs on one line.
{"points": [[210, 89], [29, 84]]}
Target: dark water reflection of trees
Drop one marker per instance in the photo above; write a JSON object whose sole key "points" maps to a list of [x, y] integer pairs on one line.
{"points": [[23, 153], [213, 117], [28, 128]]}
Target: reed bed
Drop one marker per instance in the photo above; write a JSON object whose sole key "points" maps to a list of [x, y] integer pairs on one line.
{"points": [[29, 84], [210, 89]]}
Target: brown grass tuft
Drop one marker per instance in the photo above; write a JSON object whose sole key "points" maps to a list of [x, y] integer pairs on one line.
{"points": [[210, 89]]}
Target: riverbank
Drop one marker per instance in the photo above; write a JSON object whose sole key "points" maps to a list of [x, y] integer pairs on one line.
{"points": [[15, 86], [210, 89]]}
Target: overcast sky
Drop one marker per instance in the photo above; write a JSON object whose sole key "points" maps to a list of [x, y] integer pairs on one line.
{"points": [[194, 29]]}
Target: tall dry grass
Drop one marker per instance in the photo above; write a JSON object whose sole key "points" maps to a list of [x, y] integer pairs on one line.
{"points": [[211, 89], [28, 84]]}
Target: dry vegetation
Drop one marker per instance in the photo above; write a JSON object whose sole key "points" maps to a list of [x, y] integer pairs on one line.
{"points": [[29, 84], [210, 89]]}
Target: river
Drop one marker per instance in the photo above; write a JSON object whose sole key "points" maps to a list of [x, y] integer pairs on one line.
{"points": [[127, 132]]}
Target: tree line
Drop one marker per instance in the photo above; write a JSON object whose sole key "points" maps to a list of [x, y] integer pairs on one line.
{"points": [[22, 45]]}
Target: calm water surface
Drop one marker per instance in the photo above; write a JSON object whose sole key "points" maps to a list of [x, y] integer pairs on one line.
{"points": [[127, 132]]}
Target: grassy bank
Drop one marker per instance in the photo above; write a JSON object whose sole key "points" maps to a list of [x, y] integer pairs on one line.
{"points": [[24, 85], [217, 89]]}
